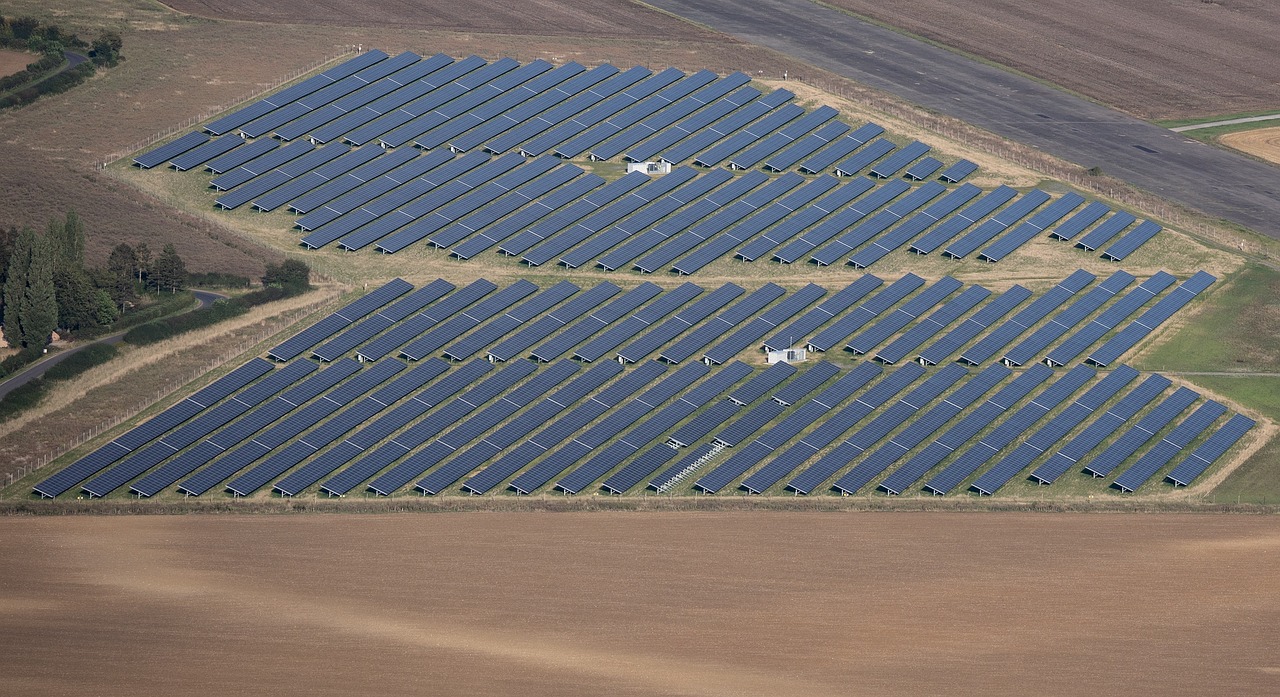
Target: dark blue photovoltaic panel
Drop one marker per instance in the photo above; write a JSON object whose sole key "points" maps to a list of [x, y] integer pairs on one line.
{"points": [[168, 151], [864, 157], [578, 210], [507, 202], [632, 115], [806, 383], [955, 173], [878, 223], [436, 128], [909, 228], [527, 216], [922, 427], [820, 315], [894, 163], [438, 337], [1129, 442], [981, 320], [1025, 232], [745, 136], [424, 95], [317, 177], [1027, 317], [1012, 427], [620, 332], [867, 311], [842, 147], [541, 329], [679, 323], [279, 176], [997, 224], [923, 169], [140, 435], [269, 160], [806, 218], [1057, 429], [767, 146], [596, 321], [931, 325], [510, 321], [330, 190], [416, 325], [1103, 426], [755, 330], [233, 159], [695, 123], [203, 153], [961, 221], [1076, 224], [305, 339], [702, 424], [899, 318], [1119, 344], [452, 99], [1119, 311], [1066, 319], [756, 387], [1210, 450], [723, 323], [1131, 241], [1107, 229], [400, 185], [806, 146], [1164, 451]]}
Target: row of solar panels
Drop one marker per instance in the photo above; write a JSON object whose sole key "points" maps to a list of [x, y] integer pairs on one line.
{"points": [[291, 414], [542, 211], [538, 109]]}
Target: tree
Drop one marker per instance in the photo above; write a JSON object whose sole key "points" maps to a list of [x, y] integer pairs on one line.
{"points": [[142, 256], [72, 246], [170, 271], [38, 307], [105, 49], [292, 275], [15, 285], [121, 267], [8, 238], [77, 298]]}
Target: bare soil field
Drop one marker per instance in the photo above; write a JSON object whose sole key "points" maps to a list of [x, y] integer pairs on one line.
{"points": [[642, 604], [13, 61], [597, 18], [1157, 59], [1259, 142]]}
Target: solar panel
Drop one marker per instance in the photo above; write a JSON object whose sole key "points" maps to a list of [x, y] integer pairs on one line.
{"points": [[891, 165], [755, 330], [684, 467], [375, 197], [1024, 233], [1026, 318], [703, 335], [1076, 224], [203, 153], [840, 148], [843, 220], [510, 321], [425, 94], [476, 106], [958, 171], [269, 160], [734, 122], [308, 181], [804, 219], [806, 146], [578, 210], [864, 157], [452, 99], [867, 311], [878, 223], [899, 318], [450, 330], [757, 152], [1129, 442], [971, 327], [1106, 230], [747, 135], [620, 332], [305, 339], [1101, 427], [1066, 319], [682, 220], [820, 315], [526, 337], [170, 150], [961, 221], [997, 224], [929, 327], [923, 169], [1118, 345], [1131, 241], [1011, 428], [679, 323], [527, 216], [596, 321], [1214, 447], [279, 176], [1057, 429], [1163, 452], [1109, 319]]}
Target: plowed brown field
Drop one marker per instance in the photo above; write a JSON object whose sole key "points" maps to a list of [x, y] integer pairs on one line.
{"points": [[1154, 58], [587, 18], [641, 604]]}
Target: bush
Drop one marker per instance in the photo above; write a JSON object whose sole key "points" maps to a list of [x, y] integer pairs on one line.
{"points": [[18, 361], [54, 85], [22, 398], [82, 360], [215, 279], [169, 327]]}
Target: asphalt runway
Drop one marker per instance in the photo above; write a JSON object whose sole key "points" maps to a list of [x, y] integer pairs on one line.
{"points": [[1217, 182]]}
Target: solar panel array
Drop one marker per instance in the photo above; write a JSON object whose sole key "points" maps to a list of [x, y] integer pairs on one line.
{"points": [[388, 152], [386, 395]]}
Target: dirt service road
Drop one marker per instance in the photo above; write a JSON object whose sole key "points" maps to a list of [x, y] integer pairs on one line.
{"points": [[641, 604]]}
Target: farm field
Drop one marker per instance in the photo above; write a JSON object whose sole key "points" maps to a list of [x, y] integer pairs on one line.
{"points": [[1259, 142], [1156, 60], [642, 604], [13, 61]]}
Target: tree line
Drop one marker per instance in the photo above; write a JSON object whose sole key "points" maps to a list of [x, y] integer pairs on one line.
{"points": [[46, 285], [50, 41]]}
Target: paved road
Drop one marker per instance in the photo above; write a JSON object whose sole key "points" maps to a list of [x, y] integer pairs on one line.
{"points": [[1228, 122], [1217, 182], [32, 372]]}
